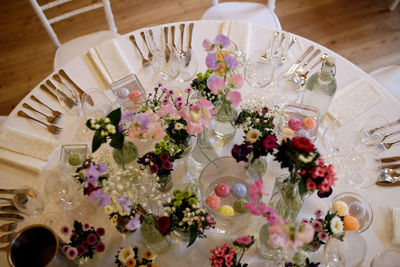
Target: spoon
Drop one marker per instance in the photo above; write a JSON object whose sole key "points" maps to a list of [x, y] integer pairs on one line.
{"points": [[390, 175]]}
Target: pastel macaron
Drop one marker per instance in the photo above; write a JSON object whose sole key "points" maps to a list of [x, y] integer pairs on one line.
{"points": [[213, 202], [226, 210], [340, 207], [239, 206], [287, 133], [123, 93], [222, 190], [357, 210], [239, 190], [309, 123], [350, 223], [303, 133], [294, 124]]}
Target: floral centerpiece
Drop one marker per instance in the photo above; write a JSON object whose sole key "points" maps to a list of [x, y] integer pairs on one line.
{"points": [[129, 257], [230, 256], [187, 215], [85, 241], [259, 139]]}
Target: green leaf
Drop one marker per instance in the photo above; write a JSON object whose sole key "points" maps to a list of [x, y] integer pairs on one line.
{"points": [[302, 187], [117, 140], [193, 236], [97, 141], [115, 116], [88, 124]]}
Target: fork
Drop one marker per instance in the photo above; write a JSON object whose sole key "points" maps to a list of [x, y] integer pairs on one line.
{"points": [[8, 227], [389, 125], [52, 128], [54, 112], [28, 191], [50, 119], [7, 237], [145, 62], [386, 146], [182, 53], [149, 55]]}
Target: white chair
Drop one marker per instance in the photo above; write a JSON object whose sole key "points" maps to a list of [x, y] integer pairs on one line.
{"points": [[255, 13], [78, 46], [2, 120], [389, 77]]}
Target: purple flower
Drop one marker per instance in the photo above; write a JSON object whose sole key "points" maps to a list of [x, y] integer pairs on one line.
{"points": [[81, 250], [92, 174], [133, 224], [100, 247], [86, 226], [99, 194], [241, 152], [91, 239], [102, 168], [231, 62], [100, 231], [143, 120], [222, 40], [124, 202], [211, 61], [65, 230], [127, 116], [71, 253], [264, 110], [207, 45], [120, 128]]}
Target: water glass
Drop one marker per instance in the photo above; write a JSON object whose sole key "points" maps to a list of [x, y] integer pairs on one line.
{"points": [[259, 70], [387, 258], [374, 130]]}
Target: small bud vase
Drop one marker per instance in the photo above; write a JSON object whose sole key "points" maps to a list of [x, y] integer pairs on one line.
{"points": [[273, 256], [154, 240], [165, 182], [224, 126]]}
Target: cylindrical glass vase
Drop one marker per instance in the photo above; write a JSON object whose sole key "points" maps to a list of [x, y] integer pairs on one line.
{"points": [[165, 182], [154, 240], [273, 256], [224, 126]]}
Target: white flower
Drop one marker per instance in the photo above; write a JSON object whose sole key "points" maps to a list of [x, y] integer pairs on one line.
{"points": [[96, 126], [336, 225], [106, 120], [253, 135], [178, 126], [306, 159], [125, 254], [108, 209]]}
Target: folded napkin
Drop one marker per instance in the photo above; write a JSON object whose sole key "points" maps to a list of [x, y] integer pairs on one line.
{"points": [[109, 61], [353, 100], [396, 226], [239, 32], [25, 150]]}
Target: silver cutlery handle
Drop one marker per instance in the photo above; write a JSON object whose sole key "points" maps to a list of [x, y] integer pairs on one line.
{"points": [[133, 39], [40, 102], [23, 114], [173, 36], [182, 29], [191, 25], [26, 105], [300, 70], [308, 51]]}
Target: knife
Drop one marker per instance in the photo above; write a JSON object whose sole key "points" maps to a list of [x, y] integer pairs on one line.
{"points": [[64, 75], [391, 166], [11, 216], [45, 88], [295, 65], [8, 208], [68, 101], [300, 70], [386, 183], [390, 159]]}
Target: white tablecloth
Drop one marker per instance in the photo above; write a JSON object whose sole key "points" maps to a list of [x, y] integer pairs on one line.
{"points": [[381, 198]]}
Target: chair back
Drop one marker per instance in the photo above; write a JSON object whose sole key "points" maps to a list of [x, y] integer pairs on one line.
{"points": [[47, 23], [270, 5]]}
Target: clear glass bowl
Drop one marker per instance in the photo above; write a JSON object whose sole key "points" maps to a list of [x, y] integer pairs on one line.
{"points": [[78, 151]]}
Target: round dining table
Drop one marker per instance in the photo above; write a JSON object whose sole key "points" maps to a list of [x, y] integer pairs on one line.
{"points": [[378, 236]]}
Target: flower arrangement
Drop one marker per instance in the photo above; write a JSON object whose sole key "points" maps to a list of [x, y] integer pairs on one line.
{"points": [[85, 240], [230, 256], [260, 139], [305, 166], [188, 216], [329, 226], [129, 257]]}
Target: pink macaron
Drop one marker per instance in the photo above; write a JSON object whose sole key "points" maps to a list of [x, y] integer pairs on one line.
{"points": [[222, 190], [213, 202], [294, 124]]}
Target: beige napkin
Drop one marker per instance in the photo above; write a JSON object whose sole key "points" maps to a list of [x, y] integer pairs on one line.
{"points": [[109, 61], [396, 226], [25, 150], [239, 32], [353, 100]]}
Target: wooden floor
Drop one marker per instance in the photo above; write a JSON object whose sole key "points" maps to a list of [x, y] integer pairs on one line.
{"points": [[363, 31]]}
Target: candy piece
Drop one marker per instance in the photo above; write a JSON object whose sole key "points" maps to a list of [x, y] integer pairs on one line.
{"points": [[122, 93], [287, 133], [213, 202], [222, 190], [340, 208], [75, 159], [239, 206], [351, 223], [357, 210], [134, 94], [309, 123], [303, 133], [294, 124], [226, 210], [239, 190]]}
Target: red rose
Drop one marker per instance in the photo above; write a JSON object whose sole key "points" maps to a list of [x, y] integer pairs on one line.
{"points": [[163, 225], [90, 189], [269, 142], [303, 144]]}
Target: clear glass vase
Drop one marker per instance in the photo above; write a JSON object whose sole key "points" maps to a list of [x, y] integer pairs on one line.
{"points": [[154, 240], [183, 235], [225, 116], [202, 153], [126, 154], [165, 182], [256, 168], [273, 256], [286, 198]]}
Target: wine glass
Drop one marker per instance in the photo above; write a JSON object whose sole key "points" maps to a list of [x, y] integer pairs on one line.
{"points": [[188, 67], [387, 258], [362, 169], [350, 252], [29, 204], [259, 70], [57, 187], [374, 130]]}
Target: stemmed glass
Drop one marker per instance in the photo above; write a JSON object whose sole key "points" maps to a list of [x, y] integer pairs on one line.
{"points": [[59, 189], [30, 204], [259, 70], [374, 130], [188, 66]]}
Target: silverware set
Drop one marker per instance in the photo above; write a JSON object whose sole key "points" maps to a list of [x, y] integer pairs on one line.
{"points": [[385, 145]]}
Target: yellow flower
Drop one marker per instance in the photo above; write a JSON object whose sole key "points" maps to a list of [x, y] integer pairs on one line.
{"points": [[131, 262], [178, 126], [108, 209], [125, 254], [253, 135], [148, 255]]}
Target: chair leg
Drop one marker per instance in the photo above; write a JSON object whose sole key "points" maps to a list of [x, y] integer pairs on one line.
{"points": [[394, 4]]}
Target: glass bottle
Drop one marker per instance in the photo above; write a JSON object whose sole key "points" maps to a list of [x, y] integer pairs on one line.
{"points": [[321, 87]]}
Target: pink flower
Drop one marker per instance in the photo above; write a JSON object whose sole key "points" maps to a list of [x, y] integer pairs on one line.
{"points": [[86, 226], [207, 45], [245, 240], [236, 81], [311, 185], [320, 162], [167, 165], [65, 230], [91, 239], [100, 247], [318, 213], [167, 109], [234, 97], [257, 190], [323, 236], [277, 240], [269, 142], [306, 235], [317, 226], [65, 249], [72, 253], [216, 84]]}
